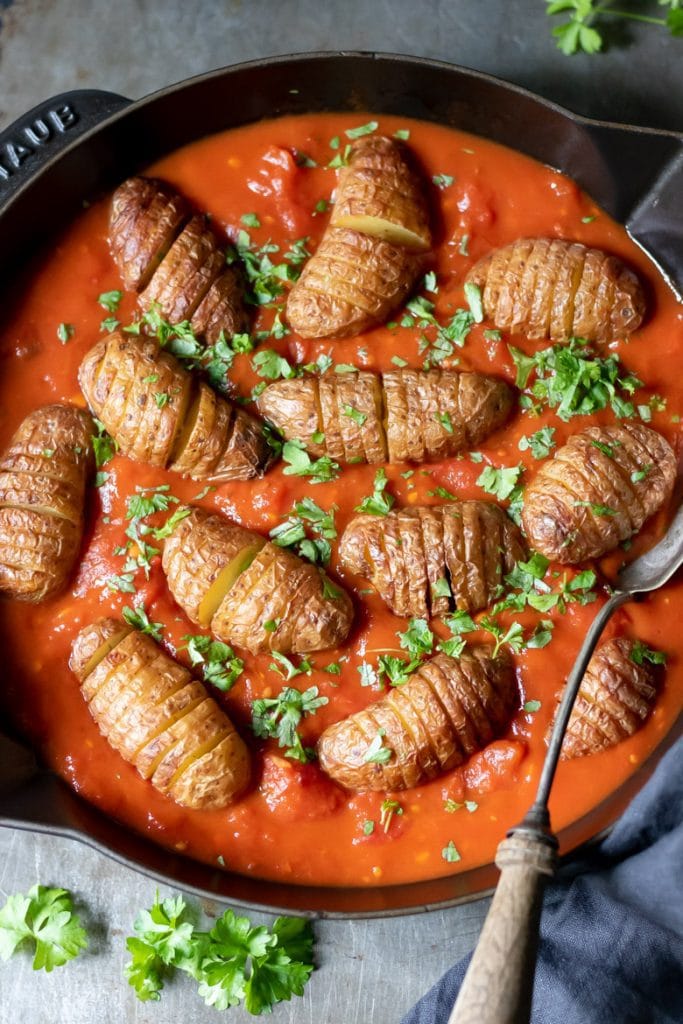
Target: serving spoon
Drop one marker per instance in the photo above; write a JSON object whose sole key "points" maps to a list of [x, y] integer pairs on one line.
{"points": [[498, 986]]}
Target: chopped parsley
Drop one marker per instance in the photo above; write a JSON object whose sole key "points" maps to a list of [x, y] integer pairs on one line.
{"points": [[540, 443], [278, 718], [641, 653], [500, 482], [250, 220], [379, 503], [65, 332], [377, 753], [569, 379], [299, 463], [443, 180], [450, 853], [291, 533], [138, 618], [45, 919], [220, 665], [110, 300], [363, 129], [532, 706], [473, 298], [358, 418]]}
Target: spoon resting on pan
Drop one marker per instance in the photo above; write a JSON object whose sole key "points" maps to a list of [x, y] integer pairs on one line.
{"points": [[499, 982]]}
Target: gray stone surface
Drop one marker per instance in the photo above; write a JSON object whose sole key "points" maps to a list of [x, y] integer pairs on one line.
{"points": [[370, 971]]}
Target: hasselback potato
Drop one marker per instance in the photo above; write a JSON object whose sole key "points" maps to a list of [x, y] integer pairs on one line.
{"points": [[160, 719], [250, 592], [598, 491], [43, 475], [552, 288], [159, 414], [426, 561], [379, 193], [401, 415], [616, 696], [174, 262], [445, 712], [351, 283]]}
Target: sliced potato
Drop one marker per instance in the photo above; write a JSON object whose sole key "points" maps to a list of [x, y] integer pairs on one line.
{"points": [[144, 398], [250, 592], [159, 718], [351, 283], [146, 216], [427, 561], [616, 696], [598, 491], [446, 711], [430, 415], [178, 267], [552, 288], [379, 194], [43, 476], [202, 560]]}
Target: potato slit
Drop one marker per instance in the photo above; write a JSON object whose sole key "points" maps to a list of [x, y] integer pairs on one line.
{"points": [[225, 581], [205, 748]]}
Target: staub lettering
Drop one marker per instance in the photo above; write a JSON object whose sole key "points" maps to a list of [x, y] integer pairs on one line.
{"points": [[33, 136]]}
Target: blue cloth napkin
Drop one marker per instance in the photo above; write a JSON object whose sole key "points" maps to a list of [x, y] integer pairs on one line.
{"points": [[611, 949]]}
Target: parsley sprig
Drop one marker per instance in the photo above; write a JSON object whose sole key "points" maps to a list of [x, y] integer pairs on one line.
{"points": [[45, 919], [587, 19], [235, 962]]}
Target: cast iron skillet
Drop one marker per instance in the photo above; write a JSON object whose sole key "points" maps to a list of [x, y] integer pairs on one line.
{"points": [[79, 144]]}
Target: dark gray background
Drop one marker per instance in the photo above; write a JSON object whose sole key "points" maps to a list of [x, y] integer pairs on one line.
{"points": [[369, 971]]}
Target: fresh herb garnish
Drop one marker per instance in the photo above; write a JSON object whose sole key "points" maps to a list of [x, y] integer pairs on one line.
{"points": [[220, 665], [569, 379], [44, 918], [233, 963], [379, 503], [138, 618], [278, 717], [584, 31], [300, 463], [641, 653], [540, 443]]}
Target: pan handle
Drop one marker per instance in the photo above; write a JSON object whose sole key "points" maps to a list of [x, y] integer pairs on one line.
{"points": [[656, 222], [37, 137]]}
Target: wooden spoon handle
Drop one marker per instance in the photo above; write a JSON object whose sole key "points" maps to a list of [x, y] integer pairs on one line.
{"points": [[499, 981]]}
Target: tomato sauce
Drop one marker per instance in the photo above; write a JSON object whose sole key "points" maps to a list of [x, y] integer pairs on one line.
{"points": [[294, 824]]}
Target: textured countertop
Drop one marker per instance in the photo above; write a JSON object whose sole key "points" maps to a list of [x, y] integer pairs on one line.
{"points": [[369, 971]]}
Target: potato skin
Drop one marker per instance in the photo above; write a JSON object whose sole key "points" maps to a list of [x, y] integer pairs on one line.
{"points": [[615, 698], [445, 712], [584, 502], [144, 218], [179, 267], [351, 283], [43, 476], [470, 545], [430, 415], [277, 587], [121, 378], [553, 288], [379, 184], [160, 719]]}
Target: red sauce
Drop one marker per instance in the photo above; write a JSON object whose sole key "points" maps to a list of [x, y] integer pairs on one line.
{"points": [[294, 824]]}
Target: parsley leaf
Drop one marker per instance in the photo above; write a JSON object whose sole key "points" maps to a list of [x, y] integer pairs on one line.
{"points": [[278, 717], [377, 753], [110, 300], [379, 503], [138, 618], [45, 917], [540, 443], [500, 482], [220, 665], [642, 653], [300, 463]]}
